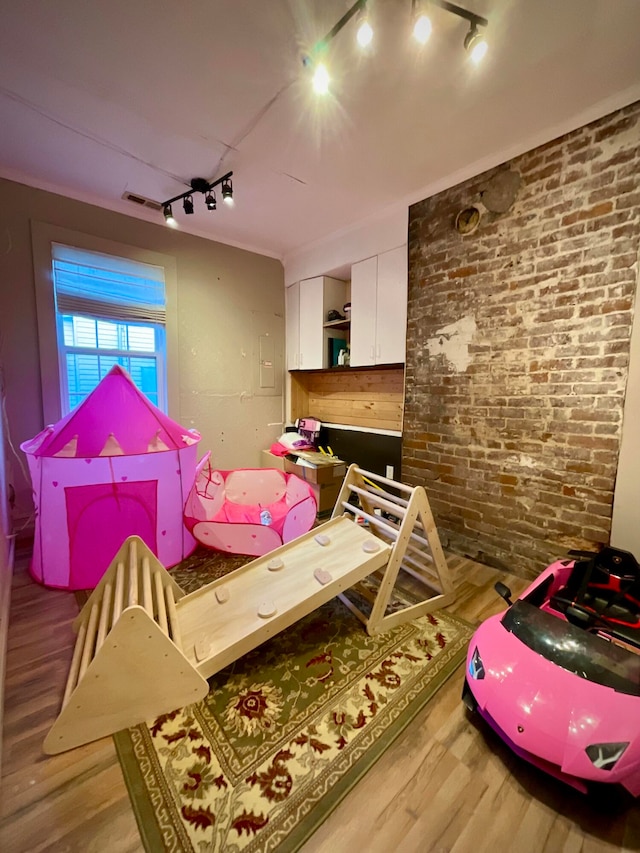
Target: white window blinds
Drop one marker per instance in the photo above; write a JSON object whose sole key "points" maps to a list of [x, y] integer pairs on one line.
{"points": [[92, 284]]}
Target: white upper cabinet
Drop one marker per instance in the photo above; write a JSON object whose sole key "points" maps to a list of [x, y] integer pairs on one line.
{"points": [[311, 319], [379, 309], [364, 282], [391, 307], [307, 305], [292, 315]]}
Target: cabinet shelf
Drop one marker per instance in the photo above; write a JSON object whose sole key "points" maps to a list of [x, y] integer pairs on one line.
{"points": [[337, 324], [342, 368]]}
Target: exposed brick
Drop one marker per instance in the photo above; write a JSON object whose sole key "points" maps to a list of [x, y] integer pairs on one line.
{"points": [[589, 213], [519, 450]]}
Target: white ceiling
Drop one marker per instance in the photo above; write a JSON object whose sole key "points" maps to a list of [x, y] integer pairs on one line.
{"points": [[102, 97]]}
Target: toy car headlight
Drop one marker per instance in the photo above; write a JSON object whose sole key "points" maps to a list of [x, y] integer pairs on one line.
{"points": [[605, 756], [476, 667]]}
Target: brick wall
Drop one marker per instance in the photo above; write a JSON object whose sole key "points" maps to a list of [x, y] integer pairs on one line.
{"points": [[518, 348]]}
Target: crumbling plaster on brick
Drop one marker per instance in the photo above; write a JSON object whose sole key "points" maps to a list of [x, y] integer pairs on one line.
{"points": [[451, 343]]}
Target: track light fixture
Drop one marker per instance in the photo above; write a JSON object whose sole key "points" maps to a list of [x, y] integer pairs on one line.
{"points": [[168, 214], [421, 23], [475, 44], [200, 185], [188, 204], [364, 35], [474, 41], [321, 79], [227, 191]]}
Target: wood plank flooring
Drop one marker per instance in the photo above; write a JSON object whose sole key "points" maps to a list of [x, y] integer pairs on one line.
{"points": [[446, 785]]}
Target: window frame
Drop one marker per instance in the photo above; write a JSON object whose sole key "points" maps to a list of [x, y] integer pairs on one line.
{"points": [[52, 368], [159, 355]]}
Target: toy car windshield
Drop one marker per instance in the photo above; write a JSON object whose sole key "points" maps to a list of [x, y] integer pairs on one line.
{"points": [[585, 654]]}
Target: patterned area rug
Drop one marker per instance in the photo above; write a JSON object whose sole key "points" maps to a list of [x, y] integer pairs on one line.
{"points": [[285, 732]]}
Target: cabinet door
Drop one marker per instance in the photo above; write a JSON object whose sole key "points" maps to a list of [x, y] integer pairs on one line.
{"points": [[363, 312], [311, 324], [292, 311], [391, 307]]}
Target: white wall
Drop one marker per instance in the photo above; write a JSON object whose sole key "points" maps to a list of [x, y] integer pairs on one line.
{"points": [[335, 255]]}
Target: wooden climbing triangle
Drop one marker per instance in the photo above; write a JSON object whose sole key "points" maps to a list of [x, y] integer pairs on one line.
{"points": [[144, 648]]}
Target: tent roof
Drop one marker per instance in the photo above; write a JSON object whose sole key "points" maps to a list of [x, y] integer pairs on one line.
{"points": [[116, 419]]}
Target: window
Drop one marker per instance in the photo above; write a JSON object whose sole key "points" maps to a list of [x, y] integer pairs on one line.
{"points": [[109, 310], [101, 303]]}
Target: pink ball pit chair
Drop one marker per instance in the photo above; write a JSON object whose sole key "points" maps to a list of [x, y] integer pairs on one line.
{"points": [[249, 510]]}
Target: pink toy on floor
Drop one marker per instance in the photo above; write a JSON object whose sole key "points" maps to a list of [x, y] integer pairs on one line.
{"points": [[248, 510]]}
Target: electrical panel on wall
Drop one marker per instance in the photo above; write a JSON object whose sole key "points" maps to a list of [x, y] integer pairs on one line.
{"points": [[267, 353]]}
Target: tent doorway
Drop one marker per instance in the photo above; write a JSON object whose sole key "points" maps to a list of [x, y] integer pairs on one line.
{"points": [[108, 513]]}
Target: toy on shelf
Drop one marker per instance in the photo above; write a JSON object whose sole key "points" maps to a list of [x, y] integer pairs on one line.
{"points": [[249, 510], [145, 648], [116, 466]]}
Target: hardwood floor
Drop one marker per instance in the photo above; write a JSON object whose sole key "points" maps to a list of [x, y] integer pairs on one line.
{"points": [[446, 785]]}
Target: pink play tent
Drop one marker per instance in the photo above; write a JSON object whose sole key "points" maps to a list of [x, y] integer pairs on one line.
{"points": [[114, 467]]}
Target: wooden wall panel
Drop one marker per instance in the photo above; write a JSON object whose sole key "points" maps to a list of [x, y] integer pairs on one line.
{"points": [[372, 398]]}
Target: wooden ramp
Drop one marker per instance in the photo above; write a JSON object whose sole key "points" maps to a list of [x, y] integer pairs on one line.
{"points": [[227, 618], [144, 648]]}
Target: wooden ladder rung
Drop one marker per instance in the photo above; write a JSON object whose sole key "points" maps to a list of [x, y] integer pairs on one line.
{"points": [[419, 576], [133, 574], [392, 532], [173, 617], [72, 678], [105, 615], [387, 482], [89, 641], [383, 503], [161, 608], [118, 597], [147, 595]]}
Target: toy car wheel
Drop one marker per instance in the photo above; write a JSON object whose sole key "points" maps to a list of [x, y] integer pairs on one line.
{"points": [[468, 698], [613, 798]]}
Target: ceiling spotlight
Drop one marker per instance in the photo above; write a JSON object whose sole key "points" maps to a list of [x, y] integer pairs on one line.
{"points": [[422, 28], [365, 33], [321, 79], [210, 200], [188, 204], [227, 191], [475, 44], [168, 215]]}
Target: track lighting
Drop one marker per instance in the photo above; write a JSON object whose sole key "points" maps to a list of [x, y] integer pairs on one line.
{"points": [[422, 29], [421, 23], [320, 79], [475, 44], [474, 41], [364, 35], [227, 191], [200, 185]]}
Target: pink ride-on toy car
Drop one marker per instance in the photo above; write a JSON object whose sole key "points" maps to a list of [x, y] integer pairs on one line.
{"points": [[557, 675]]}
